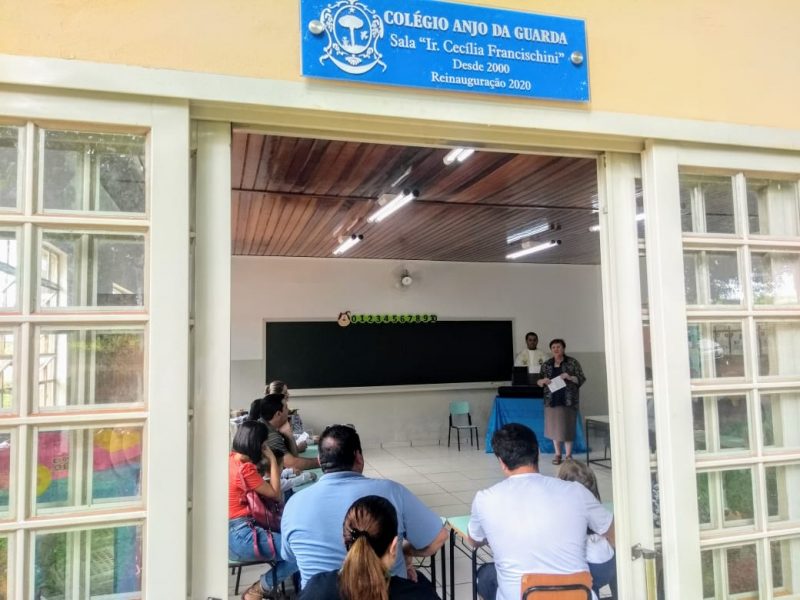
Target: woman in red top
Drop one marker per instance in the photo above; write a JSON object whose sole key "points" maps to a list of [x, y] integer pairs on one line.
{"points": [[249, 450]]}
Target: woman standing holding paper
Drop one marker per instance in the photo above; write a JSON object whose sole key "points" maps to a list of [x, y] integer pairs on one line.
{"points": [[561, 377]]}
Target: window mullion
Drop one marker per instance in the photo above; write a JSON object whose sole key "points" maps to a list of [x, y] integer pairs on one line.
{"points": [[721, 574], [703, 279], [698, 210], [30, 189], [764, 564], [84, 270], [88, 156]]}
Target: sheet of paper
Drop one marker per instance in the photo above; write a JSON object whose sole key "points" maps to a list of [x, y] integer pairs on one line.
{"points": [[556, 384]]}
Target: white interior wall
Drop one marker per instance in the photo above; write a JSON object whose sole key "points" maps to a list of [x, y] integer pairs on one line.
{"points": [[553, 300]]}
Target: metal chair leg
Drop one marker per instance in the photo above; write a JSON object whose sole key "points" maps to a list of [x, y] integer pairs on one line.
{"points": [[238, 578]]}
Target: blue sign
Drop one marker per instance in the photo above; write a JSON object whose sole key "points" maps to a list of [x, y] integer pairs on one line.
{"points": [[446, 46]]}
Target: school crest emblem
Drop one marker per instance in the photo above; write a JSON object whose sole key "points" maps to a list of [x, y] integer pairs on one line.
{"points": [[353, 31]]}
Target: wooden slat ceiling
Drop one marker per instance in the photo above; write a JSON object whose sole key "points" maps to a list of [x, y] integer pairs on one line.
{"points": [[295, 197]]}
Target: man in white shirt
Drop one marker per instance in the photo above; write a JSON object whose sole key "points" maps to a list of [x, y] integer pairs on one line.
{"points": [[531, 357], [534, 523]]}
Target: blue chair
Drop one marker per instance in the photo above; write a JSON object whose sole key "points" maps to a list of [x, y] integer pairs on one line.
{"points": [[460, 419]]}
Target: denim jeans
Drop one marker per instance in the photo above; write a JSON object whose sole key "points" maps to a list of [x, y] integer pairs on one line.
{"points": [[487, 581], [240, 548]]}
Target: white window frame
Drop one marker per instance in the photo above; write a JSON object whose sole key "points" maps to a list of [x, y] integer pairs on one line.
{"points": [[165, 459], [672, 387]]}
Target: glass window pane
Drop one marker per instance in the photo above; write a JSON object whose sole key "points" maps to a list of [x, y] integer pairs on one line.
{"points": [[737, 488], [93, 172], [699, 418], [783, 493], [725, 427], [94, 563], [712, 277], [734, 432], [707, 566], [640, 228], [89, 269], [772, 207], [5, 473], [742, 571], [707, 204], [8, 270], [725, 498], [776, 278], [643, 289], [785, 560], [778, 342], [715, 350], [87, 468], [704, 498], [780, 415], [7, 370], [648, 354], [81, 367], [690, 275], [9, 166]]}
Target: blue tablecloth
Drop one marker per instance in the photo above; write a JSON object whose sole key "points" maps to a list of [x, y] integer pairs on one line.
{"points": [[530, 412]]}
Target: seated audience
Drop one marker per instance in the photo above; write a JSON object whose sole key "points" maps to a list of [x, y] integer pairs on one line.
{"points": [[311, 523], [599, 553], [300, 436], [534, 524], [250, 451], [370, 537], [273, 411]]}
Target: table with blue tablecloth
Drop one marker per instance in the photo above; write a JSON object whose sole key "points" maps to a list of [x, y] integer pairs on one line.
{"points": [[530, 412]]}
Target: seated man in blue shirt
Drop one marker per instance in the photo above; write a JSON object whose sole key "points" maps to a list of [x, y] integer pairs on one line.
{"points": [[311, 527]]}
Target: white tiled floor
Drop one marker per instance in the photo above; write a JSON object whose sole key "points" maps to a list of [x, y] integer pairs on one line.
{"points": [[446, 480]]}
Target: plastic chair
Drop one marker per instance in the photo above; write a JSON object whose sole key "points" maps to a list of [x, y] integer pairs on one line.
{"points": [[236, 569], [460, 410], [544, 586]]}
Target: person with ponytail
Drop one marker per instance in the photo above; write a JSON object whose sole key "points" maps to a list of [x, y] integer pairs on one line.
{"points": [[370, 537]]}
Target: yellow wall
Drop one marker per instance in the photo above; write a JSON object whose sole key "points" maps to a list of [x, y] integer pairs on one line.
{"points": [[734, 61]]}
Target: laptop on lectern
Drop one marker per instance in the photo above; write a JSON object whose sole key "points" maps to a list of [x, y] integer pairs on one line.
{"points": [[519, 376]]}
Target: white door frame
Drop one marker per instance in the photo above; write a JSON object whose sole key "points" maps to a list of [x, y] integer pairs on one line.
{"points": [[622, 302], [212, 365], [627, 408]]}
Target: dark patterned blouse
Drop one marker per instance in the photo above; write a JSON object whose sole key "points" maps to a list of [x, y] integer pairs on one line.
{"points": [[571, 395]]}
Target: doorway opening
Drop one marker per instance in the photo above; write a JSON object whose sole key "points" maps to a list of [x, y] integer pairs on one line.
{"points": [[481, 236]]}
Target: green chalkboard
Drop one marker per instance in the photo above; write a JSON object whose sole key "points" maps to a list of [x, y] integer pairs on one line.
{"points": [[322, 354]]}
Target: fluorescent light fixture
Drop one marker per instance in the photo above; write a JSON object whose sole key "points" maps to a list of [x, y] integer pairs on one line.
{"points": [[532, 249], [465, 154], [347, 243], [535, 230], [397, 203], [458, 154]]}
